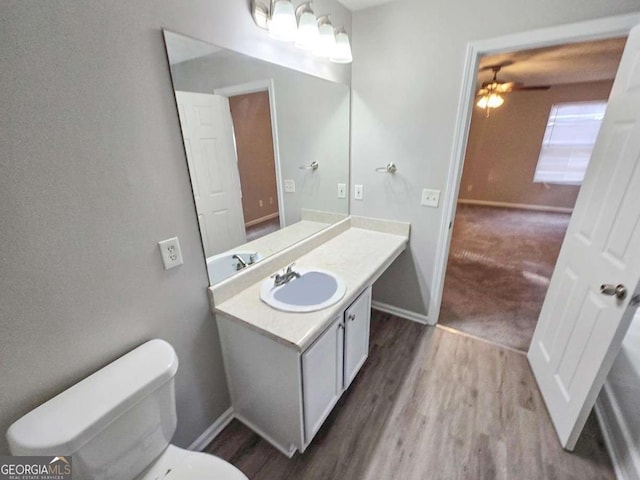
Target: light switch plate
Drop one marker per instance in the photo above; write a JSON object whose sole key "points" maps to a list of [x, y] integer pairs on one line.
{"points": [[171, 254], [430, 198], [290, 186], [342, 190], [358, 192]]}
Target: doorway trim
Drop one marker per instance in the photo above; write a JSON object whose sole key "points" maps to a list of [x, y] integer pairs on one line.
{"points": [[266, 85], [599, 29]]}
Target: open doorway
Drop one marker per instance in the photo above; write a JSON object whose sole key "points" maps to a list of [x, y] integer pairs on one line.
{"points": [[523, 166], [251, 116]]}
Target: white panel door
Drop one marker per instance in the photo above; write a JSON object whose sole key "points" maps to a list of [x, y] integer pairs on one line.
{"points": [[207, 130], [580, 329], [322, 377], [356, 340]]}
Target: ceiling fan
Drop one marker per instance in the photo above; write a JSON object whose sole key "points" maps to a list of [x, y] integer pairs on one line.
{"points": [[491, 92]]}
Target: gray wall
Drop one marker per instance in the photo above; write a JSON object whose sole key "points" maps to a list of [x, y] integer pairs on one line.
{"points": [[92, 175], [312, 117], [406, 78]]}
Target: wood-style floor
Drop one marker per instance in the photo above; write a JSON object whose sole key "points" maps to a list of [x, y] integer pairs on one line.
{"points": [[429, 404]]}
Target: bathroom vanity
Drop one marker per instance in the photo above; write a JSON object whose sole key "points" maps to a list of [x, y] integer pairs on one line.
{"points": [[286, 371]]}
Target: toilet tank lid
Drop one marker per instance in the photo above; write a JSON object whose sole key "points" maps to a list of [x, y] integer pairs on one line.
{"points": [[65, 423]]}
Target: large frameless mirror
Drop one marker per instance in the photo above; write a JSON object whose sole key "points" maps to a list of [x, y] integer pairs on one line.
{"points": [[267, 149]]}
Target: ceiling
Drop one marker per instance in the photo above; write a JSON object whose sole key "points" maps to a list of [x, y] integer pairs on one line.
{"points": [[354, 5], [573, 63]]}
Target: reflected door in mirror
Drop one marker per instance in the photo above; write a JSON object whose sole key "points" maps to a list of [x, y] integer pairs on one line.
{"points": [[209, 144]]}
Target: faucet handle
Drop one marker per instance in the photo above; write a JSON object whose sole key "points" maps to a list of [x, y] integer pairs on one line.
{"points": [[290, 267]]}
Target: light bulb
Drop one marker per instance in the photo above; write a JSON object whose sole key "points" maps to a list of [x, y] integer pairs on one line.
{"points": [[342, 49], [283, 21], [327, 40], [492, 100], [308, 33]]}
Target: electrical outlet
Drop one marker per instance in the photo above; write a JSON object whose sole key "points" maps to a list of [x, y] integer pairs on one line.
{"points": [[171, 254], [342, 190], [358, 192], [430, 198], [270, 200], [289, 186], [260, 203], [469, 187]]}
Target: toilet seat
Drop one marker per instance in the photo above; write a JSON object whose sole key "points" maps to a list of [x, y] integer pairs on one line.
{"points": [[202, 466], [178, 464]]}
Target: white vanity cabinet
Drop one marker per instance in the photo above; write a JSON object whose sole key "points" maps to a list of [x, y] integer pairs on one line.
{"points": [[285, 394], [322, 377], [332, 362], [356, 336]]}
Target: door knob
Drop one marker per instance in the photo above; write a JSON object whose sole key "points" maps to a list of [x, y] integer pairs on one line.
{"points": [[619, 291]]}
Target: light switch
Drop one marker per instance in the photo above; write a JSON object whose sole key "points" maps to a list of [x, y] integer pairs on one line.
{"points": [[342, 190], [358, 192], [430, 198], [290, 186]]}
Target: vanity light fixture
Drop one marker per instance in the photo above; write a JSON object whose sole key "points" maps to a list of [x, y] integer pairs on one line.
{"points": [[308, 33], [301, 25], [342, 50], [327, 40], [282, 24]]}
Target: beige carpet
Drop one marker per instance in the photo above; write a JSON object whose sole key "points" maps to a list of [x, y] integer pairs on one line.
{"points": [[499, 267]]}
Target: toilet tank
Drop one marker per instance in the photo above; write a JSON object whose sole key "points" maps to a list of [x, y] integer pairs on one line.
{"points": [[113, 423]]}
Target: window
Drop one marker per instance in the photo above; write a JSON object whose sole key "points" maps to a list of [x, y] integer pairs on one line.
{"points": [[568, 142]]}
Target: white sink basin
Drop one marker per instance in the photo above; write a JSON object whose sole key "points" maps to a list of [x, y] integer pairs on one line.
{"points": [[223, 265], [313, 290]]}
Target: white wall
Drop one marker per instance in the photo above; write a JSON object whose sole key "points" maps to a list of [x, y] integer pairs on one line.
{"points": [[93, 174], [406, 78]]}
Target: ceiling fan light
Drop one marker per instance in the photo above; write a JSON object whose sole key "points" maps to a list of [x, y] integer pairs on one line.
{"points": [[492, 100], [283, 24], [342, 49]]}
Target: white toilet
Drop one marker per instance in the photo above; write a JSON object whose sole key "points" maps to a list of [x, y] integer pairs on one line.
{"points": [[117, 424]]}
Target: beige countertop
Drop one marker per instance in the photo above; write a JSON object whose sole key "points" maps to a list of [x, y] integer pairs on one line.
{"points": [[357, 255], [282, 238]]}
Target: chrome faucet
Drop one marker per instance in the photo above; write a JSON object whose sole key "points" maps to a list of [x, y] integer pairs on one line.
{"points": [[242, 263], [287, 275]]}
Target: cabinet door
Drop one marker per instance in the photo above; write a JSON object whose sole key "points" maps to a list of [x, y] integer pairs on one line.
{"points": [[356, 342], [322, 369]]}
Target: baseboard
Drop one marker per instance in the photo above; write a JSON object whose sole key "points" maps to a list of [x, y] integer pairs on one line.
{"points": [[212, 431], [617, 438], [271, 216], [401, 312], [520, 206]]}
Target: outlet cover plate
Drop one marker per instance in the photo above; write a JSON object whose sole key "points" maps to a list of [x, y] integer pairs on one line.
{"points": [[358, 192], [342, 190], [430, 198], [290, 186], [171, 253]]}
